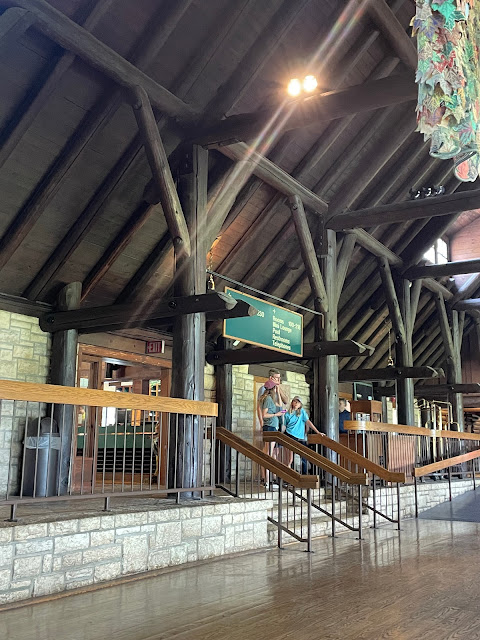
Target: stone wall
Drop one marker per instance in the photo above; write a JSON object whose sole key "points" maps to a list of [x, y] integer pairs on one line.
{"points": [[429, 494], [44, 558], [24, 356]]}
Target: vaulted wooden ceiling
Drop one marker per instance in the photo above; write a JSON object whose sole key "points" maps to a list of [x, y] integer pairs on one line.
{"points": [[73, 171]]}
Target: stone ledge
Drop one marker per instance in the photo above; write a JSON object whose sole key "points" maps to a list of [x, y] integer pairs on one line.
{"points": [[43, 558]]}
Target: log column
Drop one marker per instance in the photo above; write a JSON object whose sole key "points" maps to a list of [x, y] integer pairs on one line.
{"points": [[326, 368], [64, 372], [452, 346], [188, 356], [224, 397]]}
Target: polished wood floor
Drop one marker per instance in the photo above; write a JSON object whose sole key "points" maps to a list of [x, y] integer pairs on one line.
{"points": [[423, 585]]}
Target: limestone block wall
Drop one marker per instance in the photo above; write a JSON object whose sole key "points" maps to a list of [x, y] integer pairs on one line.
{"points": [[45, 558], [24, 356]]}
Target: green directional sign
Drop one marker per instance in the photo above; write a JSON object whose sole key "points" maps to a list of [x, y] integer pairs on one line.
{"points": [[273, 327]]}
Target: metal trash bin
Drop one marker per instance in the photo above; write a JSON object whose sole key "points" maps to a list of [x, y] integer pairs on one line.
{"points": [[41, 460]]}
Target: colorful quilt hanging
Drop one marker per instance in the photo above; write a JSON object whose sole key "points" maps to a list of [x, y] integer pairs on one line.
{"points": [[448, 77]]}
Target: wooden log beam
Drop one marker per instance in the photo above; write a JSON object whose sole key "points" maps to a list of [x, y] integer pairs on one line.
{"points": [[375, 247], [459, 267], [273, 175], [26, 112], [69, 35], [311, 350], [241, 310], [395, 34], [392, 301], [97, 319], [343, 261], [406, 211], [308, 252], [471, 304], [320, 108], [388, 373], [444, 389], [162, 176], [23, 306], [437, 287], [467, 289]]}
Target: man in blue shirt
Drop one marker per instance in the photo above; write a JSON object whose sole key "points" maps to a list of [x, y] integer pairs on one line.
{"points": [[343, 414]]}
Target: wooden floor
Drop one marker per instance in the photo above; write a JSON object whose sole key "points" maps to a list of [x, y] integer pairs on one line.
{"points": [[423, 585]]}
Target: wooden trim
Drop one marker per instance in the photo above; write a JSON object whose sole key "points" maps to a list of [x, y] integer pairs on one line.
{"points": [[264, 460], [315, 458], [443, 464], [51, 393], [356, 458], [359, 425], [137, 358], [458, 435]]}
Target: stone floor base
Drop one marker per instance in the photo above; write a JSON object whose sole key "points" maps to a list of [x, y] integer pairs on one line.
{"points": [[47, 553]]}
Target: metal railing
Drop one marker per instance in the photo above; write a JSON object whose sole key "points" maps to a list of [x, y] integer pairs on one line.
{"points": [[324, 500], [70, 443], [383, 499]]}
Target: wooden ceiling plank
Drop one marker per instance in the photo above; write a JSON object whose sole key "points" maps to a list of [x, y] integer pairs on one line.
{"points": [[256, 57], [31, 105], [69, 35], [143, 52], [387, 21], [117, 246], [13, 24]]}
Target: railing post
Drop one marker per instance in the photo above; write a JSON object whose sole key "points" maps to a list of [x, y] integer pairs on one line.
{"points": [[473, 475], [309, 520], [237, 475], [13, 512], [398, 506], [106, 506], [416, 495], [450, 484], [360, 509], [280, 511], [374, 504], [333, 505]]}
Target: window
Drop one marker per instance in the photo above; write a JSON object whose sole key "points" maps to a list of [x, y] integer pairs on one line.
{"points": [[438, 254]]}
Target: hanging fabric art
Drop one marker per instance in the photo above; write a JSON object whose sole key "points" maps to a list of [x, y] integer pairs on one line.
{"points": [[448, 77]]}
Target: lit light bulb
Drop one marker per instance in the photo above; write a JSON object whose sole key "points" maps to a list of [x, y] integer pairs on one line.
{"points": [[294, 87], [309, 84]]}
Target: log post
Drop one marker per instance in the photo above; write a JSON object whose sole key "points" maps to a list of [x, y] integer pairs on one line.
{"points": [[326, 368], [188, 356], [223, 397], [451, 343], [400, 316], [64, 372]]}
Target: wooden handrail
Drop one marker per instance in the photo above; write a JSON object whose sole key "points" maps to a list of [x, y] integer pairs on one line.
{"points": [[315, 458], [52, 393], [444, 464], [360, 425], [458, 435], [264, 460], [357, 458]]}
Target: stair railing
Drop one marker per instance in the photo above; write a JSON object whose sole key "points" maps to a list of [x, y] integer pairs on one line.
{"points": [[385, 498]]}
